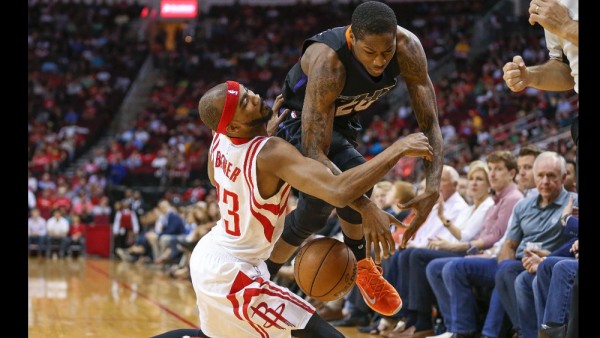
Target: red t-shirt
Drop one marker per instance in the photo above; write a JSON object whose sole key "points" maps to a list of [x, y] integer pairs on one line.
{"points": [[76, 229]]}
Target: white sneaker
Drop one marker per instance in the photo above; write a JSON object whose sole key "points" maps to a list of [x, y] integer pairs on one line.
{"points": [[443, 335], [386, 324]]}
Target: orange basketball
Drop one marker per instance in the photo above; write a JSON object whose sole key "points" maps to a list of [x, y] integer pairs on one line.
{"points": [[325, 269]]}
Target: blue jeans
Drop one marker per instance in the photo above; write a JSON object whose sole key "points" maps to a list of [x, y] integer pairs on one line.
{"points": [[460, 275], [506, 275], [434, 277], [421, 295], [494, 318], [526, 302], [552, 289], [394, 275], [40, 241]]}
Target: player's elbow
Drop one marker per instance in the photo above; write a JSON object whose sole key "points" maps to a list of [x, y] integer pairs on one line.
{"points": [[332, 195], [341, 197]]}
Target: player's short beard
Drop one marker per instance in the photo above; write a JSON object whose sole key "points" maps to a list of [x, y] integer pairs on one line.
{"points": [[262, 120]]}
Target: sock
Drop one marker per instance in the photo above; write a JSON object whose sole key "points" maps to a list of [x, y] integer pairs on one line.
{"points": [[273, 267], [411, 318], [357, 246], [423, 321], [358, 313]]}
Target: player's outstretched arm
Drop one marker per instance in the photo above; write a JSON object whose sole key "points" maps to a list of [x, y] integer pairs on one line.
{"points": [[553, 75], [413, 65], [280, 159]]}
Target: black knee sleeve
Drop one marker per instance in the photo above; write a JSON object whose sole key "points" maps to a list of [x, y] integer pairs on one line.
{"points": [[309, 217], [350, 215]]}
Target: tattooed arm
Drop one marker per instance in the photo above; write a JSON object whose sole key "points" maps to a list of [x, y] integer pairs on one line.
{"points": [[413, 67], [326, 79]]}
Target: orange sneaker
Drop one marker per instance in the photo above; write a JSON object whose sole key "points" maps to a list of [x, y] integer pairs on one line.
{"points": [[379, 295]]}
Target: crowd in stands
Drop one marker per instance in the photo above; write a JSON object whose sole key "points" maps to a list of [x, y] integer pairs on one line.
{"points": [[83, 59], [477, 112]]}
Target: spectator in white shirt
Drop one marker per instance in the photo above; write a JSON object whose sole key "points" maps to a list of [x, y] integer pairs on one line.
{"points": [[58, 233], [453, 204]]}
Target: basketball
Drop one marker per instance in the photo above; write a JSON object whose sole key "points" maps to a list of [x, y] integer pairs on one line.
{"points": [[325, 269]]}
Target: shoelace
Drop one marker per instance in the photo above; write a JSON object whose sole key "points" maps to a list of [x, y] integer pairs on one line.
{"points": [[373, 275]]}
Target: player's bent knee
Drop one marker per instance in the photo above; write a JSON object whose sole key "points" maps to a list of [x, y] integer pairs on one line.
{"points": [[349, 215], [309, 217], [293, 233]]}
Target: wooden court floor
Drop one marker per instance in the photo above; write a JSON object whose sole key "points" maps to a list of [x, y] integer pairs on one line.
{"points": [[102, 298]]}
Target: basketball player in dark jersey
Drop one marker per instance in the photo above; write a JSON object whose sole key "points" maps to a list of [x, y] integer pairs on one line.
{"points": [[342, 71]]}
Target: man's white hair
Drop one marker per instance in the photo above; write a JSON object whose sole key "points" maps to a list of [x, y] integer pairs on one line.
{"points": [[454, 176]]}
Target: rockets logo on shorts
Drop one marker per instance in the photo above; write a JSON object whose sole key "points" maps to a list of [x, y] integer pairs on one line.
{"points": [[271, 316]]}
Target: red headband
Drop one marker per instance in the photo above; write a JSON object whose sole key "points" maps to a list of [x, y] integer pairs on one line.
{"points": [[231, 100]]}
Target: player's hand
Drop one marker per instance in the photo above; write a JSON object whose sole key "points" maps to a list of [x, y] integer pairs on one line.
{"points": [[515, 74], [276, 120], [422, 204], [416, 145], [376, 228]]}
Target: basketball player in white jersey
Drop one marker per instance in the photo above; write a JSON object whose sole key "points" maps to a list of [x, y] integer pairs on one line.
{"points": [[253, 174]]}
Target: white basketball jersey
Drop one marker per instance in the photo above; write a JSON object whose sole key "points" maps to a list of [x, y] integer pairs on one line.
{"points": [[249, 225]]}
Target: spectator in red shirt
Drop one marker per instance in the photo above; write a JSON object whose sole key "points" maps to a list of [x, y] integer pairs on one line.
{"points": [[195, 193], [44, 203], [61, 200]]}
